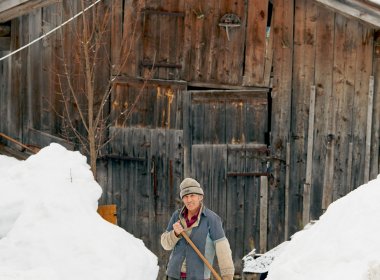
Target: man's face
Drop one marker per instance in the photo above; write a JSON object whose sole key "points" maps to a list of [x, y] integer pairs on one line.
{"points": [[192, 201]]}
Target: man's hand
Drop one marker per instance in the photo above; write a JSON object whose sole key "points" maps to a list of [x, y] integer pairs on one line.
{"points": [[177, 228]]}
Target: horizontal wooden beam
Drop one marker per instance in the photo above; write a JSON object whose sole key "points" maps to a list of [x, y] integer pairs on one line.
{"points": [[163, 13], [120, 80], [203, 85], [247, 174], [121, 157], [8, 4], [360, 10], [10, 9]]}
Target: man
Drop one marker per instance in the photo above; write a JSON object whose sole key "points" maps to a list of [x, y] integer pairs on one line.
{"points": [[205, 229]]}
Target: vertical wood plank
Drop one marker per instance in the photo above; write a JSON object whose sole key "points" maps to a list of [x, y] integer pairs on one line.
{"points": [[369, 130], [269, 57], [309, 159], [126, 180], [219, 180], [254, 163], [108, 190], [298, 103], [330, 189], [212, 41], [187, 125], [345, 101], [363, 70], [178, 170], [155, 172], [114, 173], [177, 121], [323, 81], [214, 126], [166, 25], [198, 115], [235, 200], [255, 42], [5, 67], [287, 186], [349, 168], [281, 108], [131, 41], [256, 112], [235, 126], [144, 192], [14, 116], [116, 34], [329, 174], [49, 21], [376, 108], [32, 118], [263, 213]]}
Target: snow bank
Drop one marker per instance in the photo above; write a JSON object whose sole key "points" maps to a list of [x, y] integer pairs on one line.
{"points": [[49, 227], [343, 244]]}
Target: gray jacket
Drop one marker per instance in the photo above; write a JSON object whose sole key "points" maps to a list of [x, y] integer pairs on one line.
{"points": [[208, 235]]}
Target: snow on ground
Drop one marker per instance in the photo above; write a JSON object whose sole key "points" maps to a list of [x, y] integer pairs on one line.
{"points": [[49, 227], [343, 244]]}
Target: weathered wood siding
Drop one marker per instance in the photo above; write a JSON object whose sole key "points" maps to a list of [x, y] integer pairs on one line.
{"points": [[229, 116], [226, 154], [225, 136], [230, 176], [153, 103], [36, 77], [145, 168], [282, 32], [335, 56], [187, 40]]}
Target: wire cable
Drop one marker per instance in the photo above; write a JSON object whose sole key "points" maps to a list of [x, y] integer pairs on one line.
{"points": [[50, 32]]}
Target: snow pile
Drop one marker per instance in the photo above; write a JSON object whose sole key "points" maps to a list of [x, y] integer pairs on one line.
{"points": [[343, 244], [49, 227]]}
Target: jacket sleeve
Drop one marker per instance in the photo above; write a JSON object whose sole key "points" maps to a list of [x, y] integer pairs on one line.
{"points": [[224, 255], [169, 240]]}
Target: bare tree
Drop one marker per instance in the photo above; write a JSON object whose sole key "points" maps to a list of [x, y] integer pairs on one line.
{"points": [[86, 84]]}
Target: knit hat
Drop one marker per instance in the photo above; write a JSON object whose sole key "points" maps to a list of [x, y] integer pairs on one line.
{"points": [[189, 186]]}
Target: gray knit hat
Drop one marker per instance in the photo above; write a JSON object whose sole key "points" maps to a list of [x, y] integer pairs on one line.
{"points": [[189, 186]]}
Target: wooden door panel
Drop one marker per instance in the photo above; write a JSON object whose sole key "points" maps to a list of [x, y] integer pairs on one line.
{"points": [[145, 170], [162, 44], [230, 177], [153, 103], [230, 116]]}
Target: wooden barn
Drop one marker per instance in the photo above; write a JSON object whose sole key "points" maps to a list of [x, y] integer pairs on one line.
{"points": [[272, 105]]}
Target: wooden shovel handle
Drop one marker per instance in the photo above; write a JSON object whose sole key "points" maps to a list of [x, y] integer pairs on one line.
{"points": [[207, 263]]}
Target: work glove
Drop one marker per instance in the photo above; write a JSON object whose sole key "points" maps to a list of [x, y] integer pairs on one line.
{"points": [[228, 277]]}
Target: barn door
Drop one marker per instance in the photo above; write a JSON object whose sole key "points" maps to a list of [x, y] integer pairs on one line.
{"points": [[145, 170], [203, 42], [162, 41], [225, 133]]}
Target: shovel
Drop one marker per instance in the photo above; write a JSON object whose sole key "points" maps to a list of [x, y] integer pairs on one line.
{"points": [[207, 263]]}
